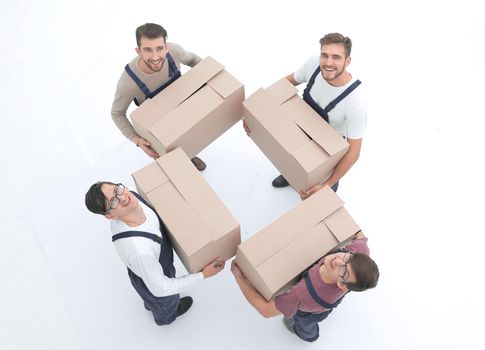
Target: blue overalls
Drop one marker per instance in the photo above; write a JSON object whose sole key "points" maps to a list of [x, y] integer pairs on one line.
{"points": [[306, 323], [173, 74], [323, 112], [164, 309]]}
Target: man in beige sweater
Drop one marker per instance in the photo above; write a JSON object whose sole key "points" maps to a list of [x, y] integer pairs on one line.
{"points": [[156, 66]]}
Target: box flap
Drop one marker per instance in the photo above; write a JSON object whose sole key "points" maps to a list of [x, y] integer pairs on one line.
{"points": [[181, 220], [187, 180], [310, 155], [281, 91], [302, 253], [279, 234], [314, 126], [324, 202], [150, 177], [276, 120], [220, 221], [224, 84], [341, 224], [184, 117], [187, 84]]}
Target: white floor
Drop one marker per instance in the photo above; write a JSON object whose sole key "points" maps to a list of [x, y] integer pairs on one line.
{"points": [[417, 190]]}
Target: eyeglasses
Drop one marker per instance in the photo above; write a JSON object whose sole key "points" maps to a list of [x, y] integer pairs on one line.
{"points": [[343, 269], [115, 201]]}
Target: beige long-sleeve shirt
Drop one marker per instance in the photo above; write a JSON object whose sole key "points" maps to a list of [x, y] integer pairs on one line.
{"points": [[127, 90]]}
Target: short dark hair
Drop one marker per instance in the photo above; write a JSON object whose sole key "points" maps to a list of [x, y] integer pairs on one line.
{"points": [[366, 272], [150, 31], [337, 38], [95, 200]]}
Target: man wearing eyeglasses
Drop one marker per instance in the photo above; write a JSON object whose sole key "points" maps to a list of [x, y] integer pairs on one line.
{"points": [[156, 67], [321, 288], [142, 244]]}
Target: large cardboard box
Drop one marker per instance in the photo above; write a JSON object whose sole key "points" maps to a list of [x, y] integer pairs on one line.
{"points": [[300, 144], [192, 111], [274, 258], [200, 226]]}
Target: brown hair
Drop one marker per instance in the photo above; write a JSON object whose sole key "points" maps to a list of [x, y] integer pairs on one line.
{"points": [[366, 273], [337, 38], [150, 31]]}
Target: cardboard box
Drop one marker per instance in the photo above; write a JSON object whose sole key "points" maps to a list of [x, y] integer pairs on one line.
{"points": [[192, 111], [200, 226], [299, 143], [274, 258]]}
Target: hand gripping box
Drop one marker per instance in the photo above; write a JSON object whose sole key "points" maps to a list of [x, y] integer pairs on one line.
{"points": [[274, 258], [200, 226], [191, 112], [299, 143]]}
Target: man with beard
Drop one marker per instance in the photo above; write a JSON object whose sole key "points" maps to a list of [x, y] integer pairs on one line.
{"points": [[332, 92], [156, 66]]}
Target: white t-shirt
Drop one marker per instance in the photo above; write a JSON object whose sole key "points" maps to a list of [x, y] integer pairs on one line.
{"points": [[349, 117], [141, 254]]}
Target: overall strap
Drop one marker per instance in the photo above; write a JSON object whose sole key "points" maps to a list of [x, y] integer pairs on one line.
{"points": [[312, 79], [138, 81], [127, 234], [312, 290], [315, 296], [343, 95], [172, 67]]}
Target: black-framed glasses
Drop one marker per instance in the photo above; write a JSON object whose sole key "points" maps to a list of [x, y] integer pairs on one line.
{"points": [[343, 269], [115, 201]]}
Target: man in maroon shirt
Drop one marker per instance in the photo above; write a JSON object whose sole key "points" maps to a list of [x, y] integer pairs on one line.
{"points": [[320, 289]]}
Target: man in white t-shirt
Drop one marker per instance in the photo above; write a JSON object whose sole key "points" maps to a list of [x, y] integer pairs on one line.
{"points": [[142, 244], [337, 97]]}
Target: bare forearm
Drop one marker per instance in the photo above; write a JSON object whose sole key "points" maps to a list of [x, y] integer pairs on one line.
{"points": [[348, 160], [265, 308], [341, 169]]}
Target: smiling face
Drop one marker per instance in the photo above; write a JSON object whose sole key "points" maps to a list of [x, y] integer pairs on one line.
{"points": [[330, 268], [152, 53], [127, 201], [333, 64]]}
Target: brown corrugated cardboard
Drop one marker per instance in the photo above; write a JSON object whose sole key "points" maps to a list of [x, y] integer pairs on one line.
{"points": [[300, 144], [200, 226], [192, 111], [275, 256]]}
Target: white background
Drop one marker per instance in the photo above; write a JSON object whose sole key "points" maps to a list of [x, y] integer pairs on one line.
{"points": [[417, 190]]}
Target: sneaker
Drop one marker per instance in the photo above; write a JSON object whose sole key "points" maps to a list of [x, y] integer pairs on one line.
{"points": [[280, 181], [289, 323], [198, 163], [184, 305]]}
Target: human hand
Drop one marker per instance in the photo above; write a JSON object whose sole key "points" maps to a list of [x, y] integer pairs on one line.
{"points": [[145, 146], [246, 127], [236, 271], [213, 268], [305, 194]]}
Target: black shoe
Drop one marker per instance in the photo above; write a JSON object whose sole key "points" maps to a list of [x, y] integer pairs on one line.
{"points": [[146, 307], [289, 323], [280, 181], [198, 163], [184, 305]]}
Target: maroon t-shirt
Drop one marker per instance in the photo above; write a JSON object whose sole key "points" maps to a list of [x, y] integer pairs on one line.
{"points": [[298, 297]]}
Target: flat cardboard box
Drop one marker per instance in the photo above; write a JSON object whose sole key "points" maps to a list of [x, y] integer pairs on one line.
{"points": [[192, 111], [274, 258], [200, 226], [299, 143]]}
